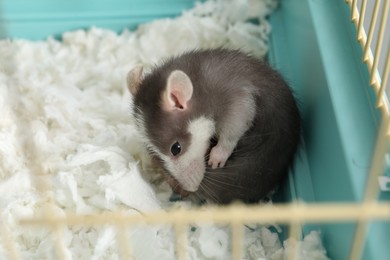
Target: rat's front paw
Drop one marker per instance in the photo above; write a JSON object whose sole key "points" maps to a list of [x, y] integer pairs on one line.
{"points": [[218, 157]]}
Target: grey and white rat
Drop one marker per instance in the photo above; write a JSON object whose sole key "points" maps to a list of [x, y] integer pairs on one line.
{"points": [[222, 124]]}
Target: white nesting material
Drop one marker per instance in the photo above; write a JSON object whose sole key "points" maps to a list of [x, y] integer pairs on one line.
{"points": [[65, 109]]}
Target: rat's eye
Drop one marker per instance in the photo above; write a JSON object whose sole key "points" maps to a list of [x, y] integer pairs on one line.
{"points": [[176, 149]]}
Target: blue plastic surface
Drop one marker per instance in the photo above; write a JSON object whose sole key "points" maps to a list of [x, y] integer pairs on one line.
{"points": [[38, 19], [314, 45]]}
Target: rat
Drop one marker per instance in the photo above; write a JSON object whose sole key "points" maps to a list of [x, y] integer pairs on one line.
{"points": [[222, 124]]}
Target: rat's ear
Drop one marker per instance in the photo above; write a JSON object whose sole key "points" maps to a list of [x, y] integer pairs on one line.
{"points": [[134, 79], [178, 91]]}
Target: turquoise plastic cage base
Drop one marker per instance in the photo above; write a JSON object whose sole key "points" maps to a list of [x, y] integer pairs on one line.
{"points": [[313, 44], [36, 20]]}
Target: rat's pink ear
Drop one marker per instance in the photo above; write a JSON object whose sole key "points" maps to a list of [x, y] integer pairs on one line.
{"points": [[178, 91], [134, 79]]}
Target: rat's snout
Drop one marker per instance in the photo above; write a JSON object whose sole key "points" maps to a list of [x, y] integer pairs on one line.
{"points": [[192, 175], [189, 168]]}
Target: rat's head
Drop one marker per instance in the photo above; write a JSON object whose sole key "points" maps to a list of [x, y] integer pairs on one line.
{"points": [[165, 117]]}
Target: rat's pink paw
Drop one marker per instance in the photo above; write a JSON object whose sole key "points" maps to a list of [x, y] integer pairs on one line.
{"points": [[218, 157]]}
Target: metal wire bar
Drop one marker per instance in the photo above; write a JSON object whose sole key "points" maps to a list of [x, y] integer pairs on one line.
{"points": [[181, 240], [378, 48], [354, 12], [358, 240], [305, 213], [123, 243], [60, 248], [378, 161], [294, 235], [385, 77], [237, 240], [361, 35], [367, 47], [368, 57], [8, 243]]}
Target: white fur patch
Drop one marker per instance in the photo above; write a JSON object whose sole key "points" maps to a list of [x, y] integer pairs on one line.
{"points": [[190, 167], [201, 129]]}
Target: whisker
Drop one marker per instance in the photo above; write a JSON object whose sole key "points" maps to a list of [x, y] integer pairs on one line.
{"points": [[208, 192], [224, 183], [198, 197], [259, 135], [236, 165], [220, 177], [227, 184]]}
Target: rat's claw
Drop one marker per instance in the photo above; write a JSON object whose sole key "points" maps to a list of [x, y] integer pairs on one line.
{"points": [[218, 157]]}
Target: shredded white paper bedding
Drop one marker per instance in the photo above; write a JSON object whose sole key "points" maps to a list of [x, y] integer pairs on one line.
{"points": [[64, 106]]}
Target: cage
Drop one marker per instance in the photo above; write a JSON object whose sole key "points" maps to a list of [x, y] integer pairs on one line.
{"points": [[336, 56]]}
